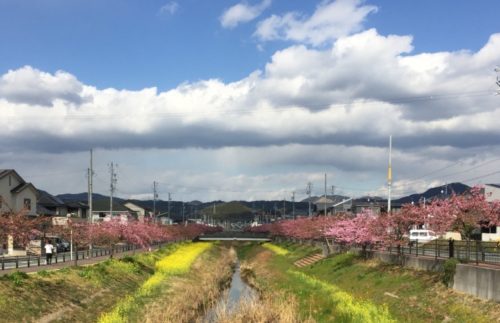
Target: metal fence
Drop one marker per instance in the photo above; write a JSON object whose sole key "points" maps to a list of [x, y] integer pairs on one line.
{"points": [[14, 262], [465, 251]]}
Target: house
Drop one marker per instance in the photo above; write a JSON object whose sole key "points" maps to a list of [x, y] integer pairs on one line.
{"points": [[50, 205], [78, 209], [16, 194], [101, 210], [492, 193], [142, 212], [376, 204], [331, 202]]}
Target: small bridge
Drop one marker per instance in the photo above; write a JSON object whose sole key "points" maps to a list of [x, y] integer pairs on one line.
{"points": [[235, 236]]}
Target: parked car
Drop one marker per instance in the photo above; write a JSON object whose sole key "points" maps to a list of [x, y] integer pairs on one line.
{"points": [[422, 235], [62, 245]]}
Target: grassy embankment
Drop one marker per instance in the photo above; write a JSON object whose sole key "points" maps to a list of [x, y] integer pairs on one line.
{"points": [[186, 298], [177, 263], [111, 291], [346, 288], [78, 294]]}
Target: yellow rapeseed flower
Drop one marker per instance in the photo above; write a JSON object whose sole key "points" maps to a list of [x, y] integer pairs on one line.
{"points": [[176, 263], [276, 249]]}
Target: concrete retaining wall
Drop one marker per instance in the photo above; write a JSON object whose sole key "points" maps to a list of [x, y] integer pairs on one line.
{"points": [[480, 282]]}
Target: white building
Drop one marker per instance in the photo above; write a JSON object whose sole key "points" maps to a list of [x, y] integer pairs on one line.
{"points": [[141, 212], [492, 193]]}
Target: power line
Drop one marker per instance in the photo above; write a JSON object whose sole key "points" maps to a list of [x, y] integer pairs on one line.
{"points": [[430, 97]]}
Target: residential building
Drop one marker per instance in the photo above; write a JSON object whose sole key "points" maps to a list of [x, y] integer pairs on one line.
{"points": [[141, 212], [101, 210], [331, 202], [50, 205], [16, 194], [492, 193], [376, 204]]}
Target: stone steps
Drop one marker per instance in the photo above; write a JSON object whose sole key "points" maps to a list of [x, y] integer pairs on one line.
{"points": [[309, 260]]}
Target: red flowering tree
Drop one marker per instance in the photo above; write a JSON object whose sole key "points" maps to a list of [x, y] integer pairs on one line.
{"points": [[359, 230], [77, 232], [21, 228], [464, 213]]}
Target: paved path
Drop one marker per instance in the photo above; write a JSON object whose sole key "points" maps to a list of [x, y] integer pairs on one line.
{"points": [[81, 262]]}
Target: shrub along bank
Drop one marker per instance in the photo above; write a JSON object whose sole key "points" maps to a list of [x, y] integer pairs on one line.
{"points": [[347, 288]]}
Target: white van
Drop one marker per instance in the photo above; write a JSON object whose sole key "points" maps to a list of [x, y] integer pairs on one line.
{"points": [[422, 235]]}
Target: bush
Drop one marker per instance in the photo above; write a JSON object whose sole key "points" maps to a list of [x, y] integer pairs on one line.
{"points": [[43, 273], [17, 277], [449, 269]]}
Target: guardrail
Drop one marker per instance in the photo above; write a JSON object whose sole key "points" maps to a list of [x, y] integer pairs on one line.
{"points": [[466, 251], [14, 262]]}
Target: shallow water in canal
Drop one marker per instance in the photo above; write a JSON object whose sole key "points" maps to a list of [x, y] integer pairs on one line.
{"points": [[238, 292]]}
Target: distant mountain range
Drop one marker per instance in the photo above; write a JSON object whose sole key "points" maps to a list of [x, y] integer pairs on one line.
{"points": [[334, 197], [435, 192], [241, 208]]}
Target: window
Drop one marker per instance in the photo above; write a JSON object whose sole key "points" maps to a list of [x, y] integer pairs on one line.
{"points": [[10, 180], [27, 204], [0, 201], [492, 229]]}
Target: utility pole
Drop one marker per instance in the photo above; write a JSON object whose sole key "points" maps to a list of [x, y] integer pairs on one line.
{"points": [[284, 207], [90, 176], [389, 176], [333, 190], [183, 217], [155, 196], [293, 205], [213, 213], [169, 200], [112, 188], [325, 194], [308, 191]]}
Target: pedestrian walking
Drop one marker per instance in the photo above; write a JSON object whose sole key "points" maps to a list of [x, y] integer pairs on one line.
{"points": [[49, 250]]}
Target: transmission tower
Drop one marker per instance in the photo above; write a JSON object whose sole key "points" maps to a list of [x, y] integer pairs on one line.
{"points": [[155, 196]]}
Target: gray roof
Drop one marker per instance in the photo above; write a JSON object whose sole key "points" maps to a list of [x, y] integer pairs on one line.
{"points": [[49, 200], [103, 205], [22, 186], [4, 172]]}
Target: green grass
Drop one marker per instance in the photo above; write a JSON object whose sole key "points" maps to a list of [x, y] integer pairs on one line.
{"points": [[230, 210], [404, 295], [78, 294], [175, 263]]}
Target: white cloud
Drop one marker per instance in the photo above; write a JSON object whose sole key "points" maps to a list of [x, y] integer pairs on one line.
{"points": [[330, 21], [242, 13], [30, 86], [330, 109], [303, 96], [169, 8]]}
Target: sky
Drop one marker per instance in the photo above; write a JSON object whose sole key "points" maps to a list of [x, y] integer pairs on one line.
{"points": [[249, 99]]}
